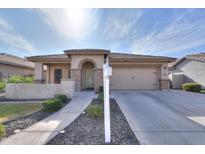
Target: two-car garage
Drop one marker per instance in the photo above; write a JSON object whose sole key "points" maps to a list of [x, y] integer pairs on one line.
{"points": [[134, 78]]}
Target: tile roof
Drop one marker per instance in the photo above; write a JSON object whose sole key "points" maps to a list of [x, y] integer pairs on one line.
{"points": [[111, 55], [15, 61], [53, 56], [195, 57], [86, 50], [135, 56]]}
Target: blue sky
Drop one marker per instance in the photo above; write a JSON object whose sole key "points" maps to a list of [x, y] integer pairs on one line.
{"points": [[166, 32]]}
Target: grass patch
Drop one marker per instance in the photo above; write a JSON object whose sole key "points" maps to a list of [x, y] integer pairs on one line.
{"points": [[10, 111], [2, 130]]}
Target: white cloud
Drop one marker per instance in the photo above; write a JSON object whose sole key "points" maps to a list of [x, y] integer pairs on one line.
{"points": [[184, 32], [12, 39], [71, 23], [5, 25], [120, 24]]}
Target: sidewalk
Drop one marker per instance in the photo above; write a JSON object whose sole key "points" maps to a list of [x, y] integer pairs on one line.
{"points": [[44, 130]]}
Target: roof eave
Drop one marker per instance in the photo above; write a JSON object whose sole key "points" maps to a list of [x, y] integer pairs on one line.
{"points": [[87, 52]]}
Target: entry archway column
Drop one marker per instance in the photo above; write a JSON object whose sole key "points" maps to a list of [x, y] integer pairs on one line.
{"points": [[75, 74], [38, 78], [98, 79]]}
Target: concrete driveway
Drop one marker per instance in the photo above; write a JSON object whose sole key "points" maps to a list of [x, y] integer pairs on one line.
{"points": [[164, 117]]}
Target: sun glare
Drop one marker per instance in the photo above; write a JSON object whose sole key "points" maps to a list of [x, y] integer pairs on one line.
{"points": [[76, 19]]}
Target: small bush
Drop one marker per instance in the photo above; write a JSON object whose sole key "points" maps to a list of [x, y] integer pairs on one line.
{"points": [[15, 79], [20, 79], [2, 130], [193, 87], [52, 105], [62, 98], [95, 111], [28, 79], [2, 86]]}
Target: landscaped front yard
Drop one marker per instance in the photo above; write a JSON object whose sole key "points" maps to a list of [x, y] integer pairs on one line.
{"points": [[88, 128], [16, 117], [10, 111]]}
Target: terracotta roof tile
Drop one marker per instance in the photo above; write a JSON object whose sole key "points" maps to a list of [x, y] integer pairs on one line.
{"points": [[53, 56], [196, 57], [135, 56]]}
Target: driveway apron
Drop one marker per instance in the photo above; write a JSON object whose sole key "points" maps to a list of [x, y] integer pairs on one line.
{"points": [[164, 117]]}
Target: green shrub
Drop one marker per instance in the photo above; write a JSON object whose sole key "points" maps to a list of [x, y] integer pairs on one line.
{"points": [[20, 79], [28, 79], [95, 111], [52, 105], [15, 79], [2, 130], [62, 98], [194, 87], [2, 86]]}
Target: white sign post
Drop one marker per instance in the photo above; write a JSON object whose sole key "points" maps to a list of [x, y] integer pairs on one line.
{"points": [[107, 71]]}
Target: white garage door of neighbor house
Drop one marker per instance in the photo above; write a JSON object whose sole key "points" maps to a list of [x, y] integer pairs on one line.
{"points": [[133, 78]]}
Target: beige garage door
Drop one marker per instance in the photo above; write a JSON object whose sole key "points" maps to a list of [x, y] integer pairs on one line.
{"points": [[133, 78]]}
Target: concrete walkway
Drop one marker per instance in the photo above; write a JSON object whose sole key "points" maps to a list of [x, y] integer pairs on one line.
{"points": [[164, 117], [43, 131]]}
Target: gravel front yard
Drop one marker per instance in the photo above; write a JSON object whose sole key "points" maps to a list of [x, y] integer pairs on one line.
{"points": [[23, 122], [87, 130]]}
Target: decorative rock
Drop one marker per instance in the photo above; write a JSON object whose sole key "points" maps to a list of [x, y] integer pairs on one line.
{"points": [[87, 130]]}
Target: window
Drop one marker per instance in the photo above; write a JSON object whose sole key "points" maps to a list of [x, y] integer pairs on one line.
{"points": [[57, 75]]}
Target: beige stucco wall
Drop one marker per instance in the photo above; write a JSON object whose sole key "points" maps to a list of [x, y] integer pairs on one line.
{"points": [[164, 71], [189, 71], [78, 60], [65, 71], [8, 70], [39, 91], [38, 71]]}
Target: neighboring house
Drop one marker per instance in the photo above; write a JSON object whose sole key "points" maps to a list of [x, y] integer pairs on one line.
{"points": [[12, 65], [85, 67], [191, 68]]}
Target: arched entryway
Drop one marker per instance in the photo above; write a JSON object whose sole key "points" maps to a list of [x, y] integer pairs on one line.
{"points": [[87, 75]]}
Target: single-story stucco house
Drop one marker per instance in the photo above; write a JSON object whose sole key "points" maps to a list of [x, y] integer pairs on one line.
{"points": [[85, 67], [190, 68], [13, 65]]}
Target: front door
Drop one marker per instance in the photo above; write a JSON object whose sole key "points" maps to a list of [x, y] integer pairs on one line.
{"points": [[57, 75], [88, 78]]}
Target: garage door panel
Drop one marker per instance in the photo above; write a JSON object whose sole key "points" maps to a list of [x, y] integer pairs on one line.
{"points": [[133, 78]]}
